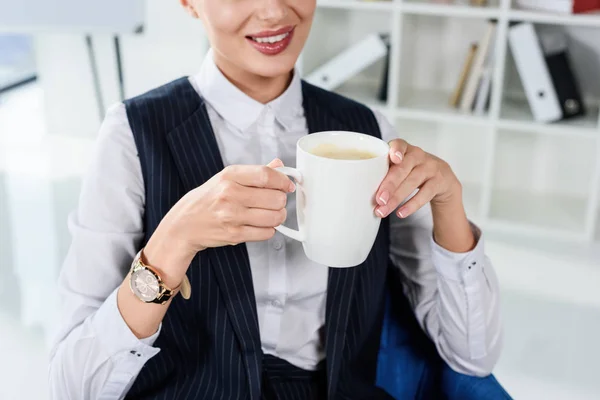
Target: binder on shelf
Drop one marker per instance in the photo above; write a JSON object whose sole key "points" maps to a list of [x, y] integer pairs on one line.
{"points": [[482, 101], [382, 95], [555, 45], [546, 74], [484, 51], [350, 62], [483, 94], [534, 73]]}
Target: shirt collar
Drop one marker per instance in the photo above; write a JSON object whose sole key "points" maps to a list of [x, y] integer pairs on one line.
{"points": [[239, 109]]}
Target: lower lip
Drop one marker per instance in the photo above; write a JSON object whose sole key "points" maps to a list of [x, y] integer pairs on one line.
{"points": [[272, 49]]}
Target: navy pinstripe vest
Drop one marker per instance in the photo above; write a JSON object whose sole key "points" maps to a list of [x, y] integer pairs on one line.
{"points": [[210, 345]]}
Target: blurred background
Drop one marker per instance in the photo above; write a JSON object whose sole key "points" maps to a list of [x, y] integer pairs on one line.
{"points": [[454, 78]]}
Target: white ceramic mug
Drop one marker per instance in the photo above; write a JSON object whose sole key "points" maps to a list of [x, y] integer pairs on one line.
{"points": [[336, 198]]}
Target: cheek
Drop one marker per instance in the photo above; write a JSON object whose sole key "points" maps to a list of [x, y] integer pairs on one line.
{"points": [[305, 9], [224, 18]]}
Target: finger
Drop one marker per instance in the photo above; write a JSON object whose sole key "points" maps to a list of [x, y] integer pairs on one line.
{"points": [[423, 196], [260, 177], [262, 218], [398, 149], [395, 176], [248, 233], [417, 178], [268, 199], [276, 163]]}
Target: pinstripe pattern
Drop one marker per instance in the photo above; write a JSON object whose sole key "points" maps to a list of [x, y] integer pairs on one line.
{"points": [[283, 381], [210, 345]]}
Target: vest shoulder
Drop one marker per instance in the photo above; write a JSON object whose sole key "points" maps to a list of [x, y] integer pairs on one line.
{"points": [[176, 98], [334, 101]]}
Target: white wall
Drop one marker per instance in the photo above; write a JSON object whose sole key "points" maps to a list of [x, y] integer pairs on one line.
{"points": [[71, 15], [172, 45], [46, 163]]}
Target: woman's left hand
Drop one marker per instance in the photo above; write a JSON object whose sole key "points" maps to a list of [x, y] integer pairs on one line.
{"points": [[412, 168]]}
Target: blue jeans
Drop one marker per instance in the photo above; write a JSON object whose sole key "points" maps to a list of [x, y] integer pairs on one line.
{"points": [[409, 366]]}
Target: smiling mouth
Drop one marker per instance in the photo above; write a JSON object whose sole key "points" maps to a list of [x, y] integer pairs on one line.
{"points": [[271, 39], [272, 43]]}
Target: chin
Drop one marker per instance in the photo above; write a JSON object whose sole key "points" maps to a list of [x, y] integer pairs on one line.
{"points": [[273, 66]]}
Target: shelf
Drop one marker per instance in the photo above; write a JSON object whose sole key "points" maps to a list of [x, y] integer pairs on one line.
{"points": [[441, 117], [419, 133], [342, 28], [531, 179], [516, 115], [432, 105], [462, 146], [358, 5], [416, 7], [363, 92], [472, 201], [542, 182], [592, 20], [426, 7], [531, 211]]}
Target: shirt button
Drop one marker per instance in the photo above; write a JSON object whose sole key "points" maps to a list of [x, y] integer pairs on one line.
{"points": [[276, 304], [277, 245]]}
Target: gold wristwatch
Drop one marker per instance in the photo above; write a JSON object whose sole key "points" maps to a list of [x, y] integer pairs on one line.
{"points": [[147, 285]]}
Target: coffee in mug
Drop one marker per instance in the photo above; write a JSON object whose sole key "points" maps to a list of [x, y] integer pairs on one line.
{"points": [[337, 176], [330, 150]]}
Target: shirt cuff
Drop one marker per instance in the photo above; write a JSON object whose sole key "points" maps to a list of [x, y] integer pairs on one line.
{"points": [[461, 267], [116, 337]]}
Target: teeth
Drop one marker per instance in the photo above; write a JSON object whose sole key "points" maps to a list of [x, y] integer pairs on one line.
{"points": [[271, 39]]}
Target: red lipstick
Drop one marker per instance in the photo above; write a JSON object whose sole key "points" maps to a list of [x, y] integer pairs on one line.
{"points": [[272, 42]]}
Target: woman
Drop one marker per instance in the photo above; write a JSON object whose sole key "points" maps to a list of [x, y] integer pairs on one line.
{"points": [[180, 179]]}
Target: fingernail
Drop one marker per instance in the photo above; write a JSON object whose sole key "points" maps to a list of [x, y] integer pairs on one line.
{"points": [[402, 212], [399, 156], [381, 212], [292, 187], [384, 198]]}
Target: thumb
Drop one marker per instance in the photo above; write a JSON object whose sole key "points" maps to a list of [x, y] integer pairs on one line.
{"points": [[276, 163], [398, 149]]}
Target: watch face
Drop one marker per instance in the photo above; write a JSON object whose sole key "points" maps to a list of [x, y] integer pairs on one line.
{"points": [[145, 285]]}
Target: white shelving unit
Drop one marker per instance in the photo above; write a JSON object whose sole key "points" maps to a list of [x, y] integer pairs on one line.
{"points": [[519, 176]]}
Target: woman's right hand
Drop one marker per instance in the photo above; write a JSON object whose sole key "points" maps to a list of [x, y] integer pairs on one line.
{"points": [[242, 203]]}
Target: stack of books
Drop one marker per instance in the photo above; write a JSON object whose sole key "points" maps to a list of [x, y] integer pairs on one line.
{"points": [[561, 6], [472, 92]]}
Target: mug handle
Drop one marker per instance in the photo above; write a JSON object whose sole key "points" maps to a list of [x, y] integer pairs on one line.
{"points": [[294, 173]]}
